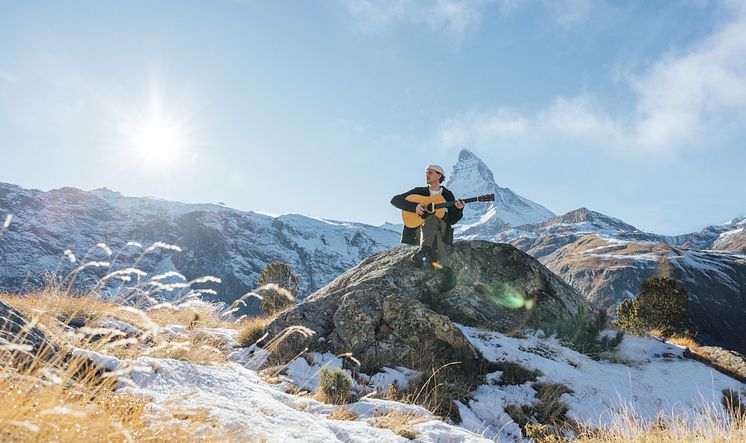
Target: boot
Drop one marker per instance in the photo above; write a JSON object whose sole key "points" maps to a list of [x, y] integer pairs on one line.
{"points": [[448, 279], [421, 257]]}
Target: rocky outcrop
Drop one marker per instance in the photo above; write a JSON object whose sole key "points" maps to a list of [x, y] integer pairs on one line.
{"points": [[730, 363], [389, 313], [21, 338]]}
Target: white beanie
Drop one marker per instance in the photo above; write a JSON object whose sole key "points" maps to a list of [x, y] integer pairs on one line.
{"points": [[435, 168]]}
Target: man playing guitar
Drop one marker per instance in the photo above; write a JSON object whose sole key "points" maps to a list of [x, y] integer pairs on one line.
{"points": [[435, 230]]}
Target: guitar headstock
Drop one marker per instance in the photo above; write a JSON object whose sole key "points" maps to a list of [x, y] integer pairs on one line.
{"points": [[486, 198]]}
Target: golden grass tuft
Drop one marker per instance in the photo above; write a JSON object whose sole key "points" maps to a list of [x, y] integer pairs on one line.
{"points": [[685, 341], [252, 329], [342, 414], [334, 386], [400, 423]]}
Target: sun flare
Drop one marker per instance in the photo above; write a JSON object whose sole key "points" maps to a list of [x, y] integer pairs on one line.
{"points": [[154, 139], [156, 143]]}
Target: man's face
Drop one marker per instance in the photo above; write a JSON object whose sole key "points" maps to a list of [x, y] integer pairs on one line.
{"points": [[432, 177]]}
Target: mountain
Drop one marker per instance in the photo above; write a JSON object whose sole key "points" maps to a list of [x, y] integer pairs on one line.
{"points": [[729, 236], [470, 177], [603, 257], [607, 260], [214, 240]]}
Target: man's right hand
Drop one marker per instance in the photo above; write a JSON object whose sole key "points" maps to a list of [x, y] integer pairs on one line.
{"points": [[420, 209]]}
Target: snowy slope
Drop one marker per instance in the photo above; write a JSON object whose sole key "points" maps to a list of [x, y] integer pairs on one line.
{"points": [[648, 383]]}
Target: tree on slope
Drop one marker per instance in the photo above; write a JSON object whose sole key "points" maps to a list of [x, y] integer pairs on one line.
{"points": [[659, 305]]}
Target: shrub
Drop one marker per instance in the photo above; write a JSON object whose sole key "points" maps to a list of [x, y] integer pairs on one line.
{"points": [[582, 333], [251, 331], [279, 287], [515, 374], [659, 305], [334, 386]]}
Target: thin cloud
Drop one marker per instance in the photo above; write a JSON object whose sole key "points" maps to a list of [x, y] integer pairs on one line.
{"points": [[7, 76], [694, 92], [457, 17], [686, 97], [475, 127], [569, 13]]}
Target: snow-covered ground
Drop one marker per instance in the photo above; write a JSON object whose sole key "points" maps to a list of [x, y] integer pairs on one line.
{"points": [[651, 378], [647, 377]]}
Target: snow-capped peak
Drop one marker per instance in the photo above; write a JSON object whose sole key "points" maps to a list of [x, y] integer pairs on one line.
{"points": [[471, 177]]}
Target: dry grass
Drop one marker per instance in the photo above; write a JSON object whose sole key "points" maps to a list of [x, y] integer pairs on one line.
{"points": [[195, 346], [252, 329], [399, 423], [193, 316], [334, 386], [626, 427], [343, 414], [199, 348], [684, 340], [70, 401]]}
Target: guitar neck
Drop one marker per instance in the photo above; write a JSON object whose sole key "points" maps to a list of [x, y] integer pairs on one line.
{"points": [[448, 204]]}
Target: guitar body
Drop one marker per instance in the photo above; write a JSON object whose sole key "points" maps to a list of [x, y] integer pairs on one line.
{"points": [[412, 220]]}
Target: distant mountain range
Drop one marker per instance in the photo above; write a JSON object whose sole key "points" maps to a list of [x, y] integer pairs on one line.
{"points": [[218, 241], [603, 257]]}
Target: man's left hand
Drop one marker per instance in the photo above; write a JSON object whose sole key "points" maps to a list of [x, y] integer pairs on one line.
{"points": [[460, 204]]}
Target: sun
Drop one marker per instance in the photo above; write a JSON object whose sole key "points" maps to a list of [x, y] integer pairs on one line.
{"points": [[154, 139], [157, 142]]}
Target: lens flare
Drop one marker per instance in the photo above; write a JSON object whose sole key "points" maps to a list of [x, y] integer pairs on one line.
{"points": [[504, 295]]}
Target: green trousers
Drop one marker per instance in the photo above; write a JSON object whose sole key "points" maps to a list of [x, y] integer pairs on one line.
{"points": [[431, 234]]}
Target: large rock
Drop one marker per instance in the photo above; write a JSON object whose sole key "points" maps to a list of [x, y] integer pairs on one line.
{"points": [[388, 312], [19, 335]]}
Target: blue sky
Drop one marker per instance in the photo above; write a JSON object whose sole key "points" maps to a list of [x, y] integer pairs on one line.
{"points": [[634, 109]]}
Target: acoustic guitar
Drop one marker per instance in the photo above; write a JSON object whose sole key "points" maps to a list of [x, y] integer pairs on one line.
{"points": [[435, 204]]}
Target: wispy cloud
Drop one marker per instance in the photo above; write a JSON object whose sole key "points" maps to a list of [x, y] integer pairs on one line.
{"points": [[7, 76], [476, 127], [454, 16], [687, 96], [570, 13], [698, 91]]}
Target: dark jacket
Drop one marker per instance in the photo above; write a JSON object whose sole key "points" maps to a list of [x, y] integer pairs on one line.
{"points": [[453, 214]]}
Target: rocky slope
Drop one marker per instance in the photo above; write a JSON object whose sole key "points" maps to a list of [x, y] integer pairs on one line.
{"points": [[608, 271], [607, 260]]}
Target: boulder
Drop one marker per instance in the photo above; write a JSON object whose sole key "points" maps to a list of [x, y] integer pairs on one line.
{"points": [[16, 333], [388, 312]]}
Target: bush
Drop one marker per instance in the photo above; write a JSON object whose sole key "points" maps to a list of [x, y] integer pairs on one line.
{"points": [[283, 289], [251, 331], [334, 386], [582, 333], [659, 305]]}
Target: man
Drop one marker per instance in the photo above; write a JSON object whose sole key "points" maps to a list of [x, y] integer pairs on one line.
{"points": [[434, 233]]}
